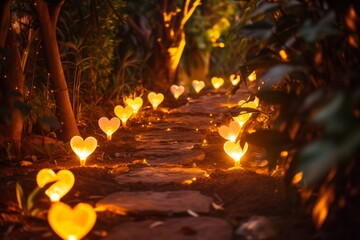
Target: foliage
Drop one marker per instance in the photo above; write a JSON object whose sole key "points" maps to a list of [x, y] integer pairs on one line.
{"points": [[206, 32], [28, 204], [312, 90]]}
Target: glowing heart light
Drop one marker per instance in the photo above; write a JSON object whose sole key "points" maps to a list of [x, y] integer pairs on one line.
{"points": [[217, 82], [109, 126], [83, 148], [230, 133], [177, 90], [235, 151], [135, 103], [252, 76], [235, 79], [198, 85], [155, 99], [63, 181], [123, 113], [243, 117], [71, 224]]}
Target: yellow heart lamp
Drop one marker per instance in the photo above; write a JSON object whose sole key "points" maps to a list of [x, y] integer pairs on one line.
{"points": [[63, 182], [217, 82], [235, 79], [135, 103], [230, 133], [109, 126], [252, 76], [235, 151], [177, 91], [71, 223], [243, 116], [155, 99], [198, 85], [123, 113], [83, 148]]}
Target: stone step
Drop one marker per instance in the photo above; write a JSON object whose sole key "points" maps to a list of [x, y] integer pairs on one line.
{"points": [[150, 201], [187, 228]]}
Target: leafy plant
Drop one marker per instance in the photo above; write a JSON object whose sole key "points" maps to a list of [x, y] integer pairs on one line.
{"points": [[28, 204], [311, 91]]}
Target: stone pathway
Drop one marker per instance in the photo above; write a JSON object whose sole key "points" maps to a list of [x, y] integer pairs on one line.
{"points": [[167, 146]]}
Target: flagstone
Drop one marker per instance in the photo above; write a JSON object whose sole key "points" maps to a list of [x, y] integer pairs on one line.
{"points": [[159, 175], [187, 228], [150, 201]]}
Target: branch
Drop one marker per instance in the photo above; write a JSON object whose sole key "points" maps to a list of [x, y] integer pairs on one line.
{"points": [[139, 30], [189, 13]]}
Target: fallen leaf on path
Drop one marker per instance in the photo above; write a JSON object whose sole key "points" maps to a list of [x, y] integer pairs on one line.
{"points": [[156, 224], [192, 213]]}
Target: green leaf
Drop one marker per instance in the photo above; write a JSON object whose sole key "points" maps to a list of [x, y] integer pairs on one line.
{"points": [[20, 196], [263, 8], [32, 197], [277, 73], [261, 30], [312, 32]]}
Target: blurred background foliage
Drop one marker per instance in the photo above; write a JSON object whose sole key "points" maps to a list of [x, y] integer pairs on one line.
{"points": [[305, 54]]}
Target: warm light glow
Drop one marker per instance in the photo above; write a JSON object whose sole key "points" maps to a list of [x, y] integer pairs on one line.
{"points": [[109, 126], [177, 91], [321, 207], [123, 113], [70, 223], [243, 117], [217, 82], [235, 79], [83, 148], [297, 178], [283, 55], [198, 85], [63, 181], [252, 76], [230, 133], [155, 99], [235, 151], [135, 104]]}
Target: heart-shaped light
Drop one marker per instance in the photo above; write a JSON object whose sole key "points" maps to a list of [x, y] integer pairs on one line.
{"points": [[230, 133], [198, 85], [123, 113], [243, 117], [235, 79], [177, 90], [109, 126], [217, 82], [252, 76], [83, 148], [63, 181], [235, 151], [135, 103], [71, 224], [155, 99]]}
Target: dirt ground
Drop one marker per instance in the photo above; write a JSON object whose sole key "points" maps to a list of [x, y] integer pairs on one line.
{"points": [[243, 193]]}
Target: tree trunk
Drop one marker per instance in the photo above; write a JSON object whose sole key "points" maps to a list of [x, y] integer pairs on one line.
{"points": [[11, 83], [4, 21], [48, 15], [171, 42]]}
